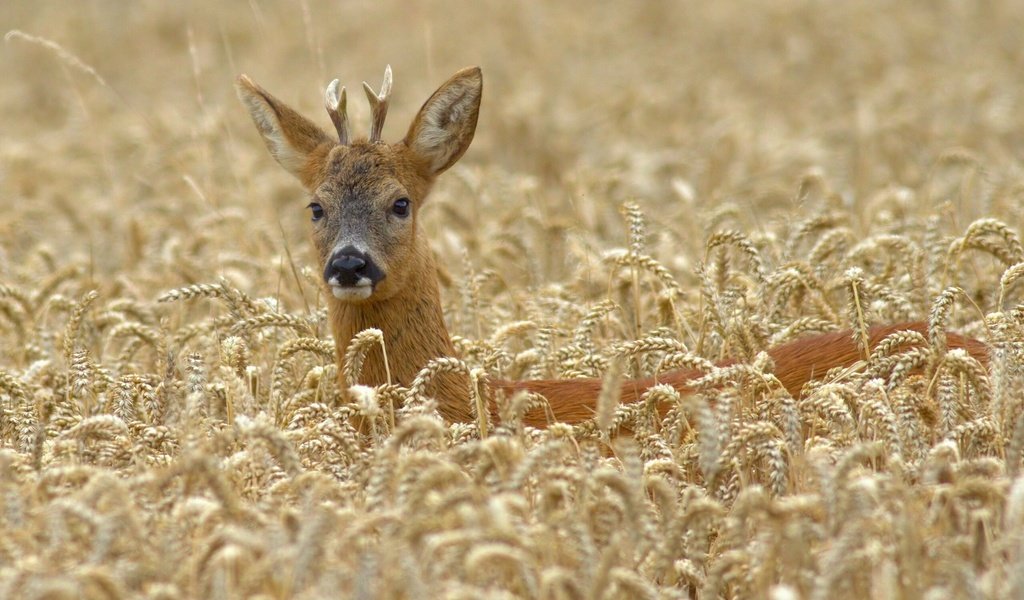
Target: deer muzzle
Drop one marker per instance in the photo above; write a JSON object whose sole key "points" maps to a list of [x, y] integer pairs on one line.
{"points": [[351, 274]]}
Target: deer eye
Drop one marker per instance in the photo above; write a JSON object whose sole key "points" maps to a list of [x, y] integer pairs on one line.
{"points": [[401, 207], [317, 210]]}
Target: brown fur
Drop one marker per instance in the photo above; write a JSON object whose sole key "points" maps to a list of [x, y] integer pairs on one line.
{"points": [[796, 363], [360, 181], [406, 305], [414, 333]]}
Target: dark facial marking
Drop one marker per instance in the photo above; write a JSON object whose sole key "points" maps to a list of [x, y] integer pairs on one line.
{"points": [[348, 265]]}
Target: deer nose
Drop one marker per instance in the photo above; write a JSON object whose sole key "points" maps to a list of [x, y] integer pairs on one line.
{"points": [[351, 267], [348, 264]]}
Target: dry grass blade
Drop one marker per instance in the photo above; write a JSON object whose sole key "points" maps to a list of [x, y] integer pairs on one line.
{"points": [[65, 56]]}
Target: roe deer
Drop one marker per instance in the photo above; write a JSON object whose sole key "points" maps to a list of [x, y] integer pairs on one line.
{"points": [[366, 196]]}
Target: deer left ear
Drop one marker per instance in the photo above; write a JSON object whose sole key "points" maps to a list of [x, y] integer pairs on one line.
{"points": [[293, 140], [444, 127]]}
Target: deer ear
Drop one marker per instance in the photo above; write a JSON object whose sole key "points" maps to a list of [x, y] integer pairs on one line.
{"points": [[294, 141], [445, 125]]}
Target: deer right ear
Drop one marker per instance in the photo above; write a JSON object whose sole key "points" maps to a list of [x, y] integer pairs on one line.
{"points": [[444, 127], [294, 141]]}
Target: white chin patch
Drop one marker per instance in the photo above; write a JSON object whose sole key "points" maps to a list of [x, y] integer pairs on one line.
{"points": [[360, 291], [351, 292]]}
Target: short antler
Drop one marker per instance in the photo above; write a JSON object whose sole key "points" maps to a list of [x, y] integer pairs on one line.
{"points": [[335, 102], [379, 104]]}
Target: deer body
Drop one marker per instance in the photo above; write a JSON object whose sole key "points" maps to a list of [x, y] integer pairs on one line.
{"points": [[379, 268]]}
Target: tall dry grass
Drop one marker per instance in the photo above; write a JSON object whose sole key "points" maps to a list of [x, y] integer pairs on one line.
{"points": [[653, 185]]}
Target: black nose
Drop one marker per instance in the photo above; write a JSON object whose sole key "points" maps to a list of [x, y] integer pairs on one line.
{"points": [[348, 266]]}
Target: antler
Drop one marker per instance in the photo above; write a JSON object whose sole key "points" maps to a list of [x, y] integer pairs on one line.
{"points": [[335, 103], [379, 104]]}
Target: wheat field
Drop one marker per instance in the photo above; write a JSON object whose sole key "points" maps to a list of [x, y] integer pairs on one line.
{"points": [[652, 185]]}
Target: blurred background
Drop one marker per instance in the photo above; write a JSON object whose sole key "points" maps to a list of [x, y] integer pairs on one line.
{"points": [[123, 143]]}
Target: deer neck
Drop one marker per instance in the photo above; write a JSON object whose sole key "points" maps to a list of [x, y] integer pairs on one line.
{"points": [[414, 331]]}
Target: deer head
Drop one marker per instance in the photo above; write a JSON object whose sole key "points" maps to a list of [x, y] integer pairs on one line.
{"points": [[366, 194]]}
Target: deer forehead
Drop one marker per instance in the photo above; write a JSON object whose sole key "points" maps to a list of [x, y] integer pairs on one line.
{"points": [[370, 171]]}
